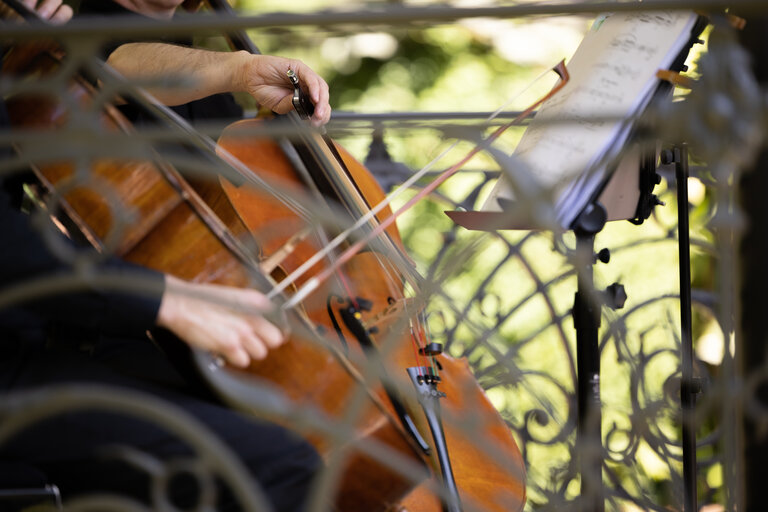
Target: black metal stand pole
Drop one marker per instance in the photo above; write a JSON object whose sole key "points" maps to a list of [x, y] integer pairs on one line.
{"points": [[688, 386], [586, 319]]}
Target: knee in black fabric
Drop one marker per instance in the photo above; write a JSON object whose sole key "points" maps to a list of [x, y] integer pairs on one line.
{"points": [[288, 477]]}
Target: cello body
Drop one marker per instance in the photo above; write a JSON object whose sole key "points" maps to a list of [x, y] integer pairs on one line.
{"points": [[486, 460]]}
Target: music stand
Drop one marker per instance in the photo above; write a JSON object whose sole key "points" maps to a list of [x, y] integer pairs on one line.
{"points": [[622, 189], [627, 193]]}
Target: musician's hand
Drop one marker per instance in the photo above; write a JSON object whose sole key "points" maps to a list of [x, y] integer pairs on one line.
{"points": [[221, 319], [52, 10], [264, 77]]}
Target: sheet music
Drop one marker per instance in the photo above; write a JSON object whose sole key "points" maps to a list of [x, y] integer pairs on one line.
{"points": [[613, 77]]}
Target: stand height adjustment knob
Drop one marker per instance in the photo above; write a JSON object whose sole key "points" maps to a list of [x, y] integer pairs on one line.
{"points": [[668, 156], [615, 296]]}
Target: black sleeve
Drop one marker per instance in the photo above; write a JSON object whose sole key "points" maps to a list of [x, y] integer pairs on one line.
{"points": [[27, 258], [96, 9]]}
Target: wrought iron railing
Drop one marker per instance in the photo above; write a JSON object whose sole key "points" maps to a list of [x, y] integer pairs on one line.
{"points": [[502, 300]]}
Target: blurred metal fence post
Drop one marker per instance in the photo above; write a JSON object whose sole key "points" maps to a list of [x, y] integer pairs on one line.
{"points": [[753, 254]]}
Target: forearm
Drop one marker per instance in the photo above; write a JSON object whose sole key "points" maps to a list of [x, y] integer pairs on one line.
{"points": [[208, 72], [203, 72]]}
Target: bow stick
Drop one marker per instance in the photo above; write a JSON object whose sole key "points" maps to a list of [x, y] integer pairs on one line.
{"points": [[317, 280]]}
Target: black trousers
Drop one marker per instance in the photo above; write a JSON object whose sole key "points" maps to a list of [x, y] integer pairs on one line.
{"points": [[69, 448]]}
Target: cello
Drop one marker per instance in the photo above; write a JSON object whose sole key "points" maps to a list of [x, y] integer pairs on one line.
{"points": [[211, 226], [491, 484]]}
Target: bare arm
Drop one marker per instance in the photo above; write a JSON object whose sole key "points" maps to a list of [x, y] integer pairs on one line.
{"points": [[209, 72], [221, 319]]}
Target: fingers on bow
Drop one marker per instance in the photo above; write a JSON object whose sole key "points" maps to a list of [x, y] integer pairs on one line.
{"points": [[250, 340]]}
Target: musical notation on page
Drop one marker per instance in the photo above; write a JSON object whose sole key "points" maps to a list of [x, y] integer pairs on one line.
{"points": [[579, 131]]}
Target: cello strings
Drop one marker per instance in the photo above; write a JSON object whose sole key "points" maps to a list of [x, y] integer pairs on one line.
{"points": [[339, 178], [315, 281], [370, 215]]}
